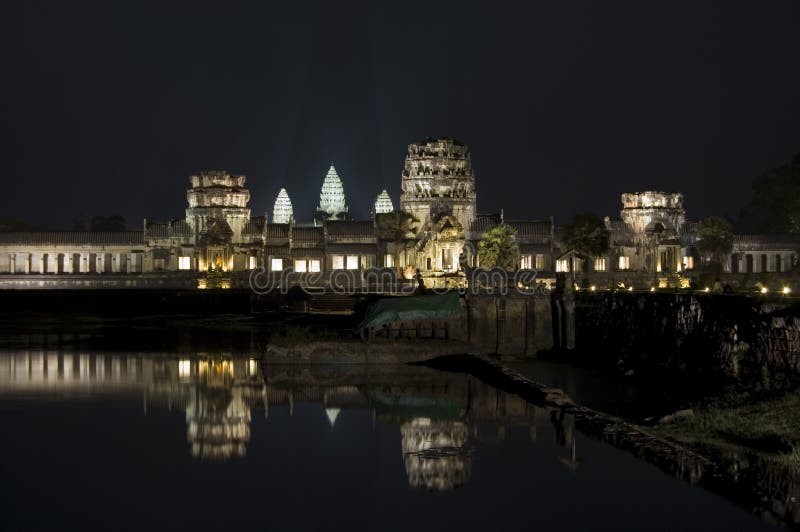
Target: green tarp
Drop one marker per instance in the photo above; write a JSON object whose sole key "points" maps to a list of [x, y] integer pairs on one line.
{"points": [[394, 309]]}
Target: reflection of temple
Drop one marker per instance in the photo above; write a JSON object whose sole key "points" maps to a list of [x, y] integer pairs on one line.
{"points": [[218, 394], [442, 418], [218, 407], [436, 453]]}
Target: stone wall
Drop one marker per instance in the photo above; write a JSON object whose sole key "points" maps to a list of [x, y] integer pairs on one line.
{"points": [[510, 325], [704, 336]]}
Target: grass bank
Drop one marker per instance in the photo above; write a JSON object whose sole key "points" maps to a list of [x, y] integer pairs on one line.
{"points": [[765, 423]]}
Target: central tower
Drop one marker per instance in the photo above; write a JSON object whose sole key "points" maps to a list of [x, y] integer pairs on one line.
{"points": [[438, 180], [332, 203]]}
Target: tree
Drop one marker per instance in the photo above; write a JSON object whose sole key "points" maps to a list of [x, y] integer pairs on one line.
{"points": [[114, 222], [18, 225], [498, 248], [775, 205], [714, 238], [396, 226], [587, 234]]}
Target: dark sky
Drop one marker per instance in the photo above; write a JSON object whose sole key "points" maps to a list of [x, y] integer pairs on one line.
{"points": [[108, 107]]}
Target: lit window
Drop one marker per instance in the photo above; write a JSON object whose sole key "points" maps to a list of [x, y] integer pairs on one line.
{"points": [[388, 260], [276, 265], [184, 263], [300, 266], [539, 262], [624, 263], [562, 265], [525, 262], [252, 263], [313, 265], [600, 264], [352, 262], [337, 262]]}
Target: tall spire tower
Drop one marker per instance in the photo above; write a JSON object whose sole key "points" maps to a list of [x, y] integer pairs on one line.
{"points": [[332, 203], [383, 203], [282, 212]]}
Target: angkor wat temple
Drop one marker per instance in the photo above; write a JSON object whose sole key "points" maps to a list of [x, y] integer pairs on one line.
{"points": [[437, 237]]}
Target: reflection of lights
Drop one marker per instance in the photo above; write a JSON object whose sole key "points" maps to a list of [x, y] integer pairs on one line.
{"points": [[184, 369], [252, 366], [332, 414], [225, 283], [201, 283], [787, 290], [211, 369]]}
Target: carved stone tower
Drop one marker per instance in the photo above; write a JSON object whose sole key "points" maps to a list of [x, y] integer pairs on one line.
{"points": [[438, 180], [282, 211], [332, 203], [383, 203], [216, 215]]}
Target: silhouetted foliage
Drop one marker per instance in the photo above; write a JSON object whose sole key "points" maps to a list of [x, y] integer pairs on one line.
{"points": [[396, 226], [587, 234], [775, 205], [114, 222], [17, 225], [498, 248], [714, 238]]}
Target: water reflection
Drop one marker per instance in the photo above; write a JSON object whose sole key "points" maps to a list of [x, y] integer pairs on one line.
{"points": [[217, 393], [221, 396], [436, 453], [441, 417], [440, 431]]}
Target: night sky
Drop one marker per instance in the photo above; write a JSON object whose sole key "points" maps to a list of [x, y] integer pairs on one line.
{"points": [[108, 107]]}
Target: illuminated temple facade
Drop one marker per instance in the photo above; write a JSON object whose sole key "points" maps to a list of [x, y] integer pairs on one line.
{"points": [[219, 232]]}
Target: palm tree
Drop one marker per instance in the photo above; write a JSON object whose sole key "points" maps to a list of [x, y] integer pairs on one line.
{"points": [[498, 248], [396, 226]]}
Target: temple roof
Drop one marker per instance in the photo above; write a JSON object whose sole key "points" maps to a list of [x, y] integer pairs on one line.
{"points": [[172, 229], [277, 231], [255, 226], [350, 228], [307, 236], [484, 222], [766, 242], [527, 230], [531, 228]]}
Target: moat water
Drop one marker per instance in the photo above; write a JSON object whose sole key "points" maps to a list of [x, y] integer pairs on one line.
{"points": [[120, 441]]}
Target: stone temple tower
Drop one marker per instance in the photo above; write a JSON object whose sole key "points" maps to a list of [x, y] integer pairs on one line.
{"points": [[282, 212], [332, 203], [216, 216], [438, 180], [383, 203], [217, 199], [644, 211]]}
